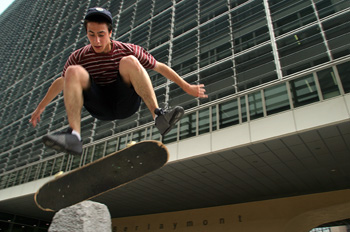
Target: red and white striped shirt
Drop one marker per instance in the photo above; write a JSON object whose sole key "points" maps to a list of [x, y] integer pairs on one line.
{"points": [[104, 68]]}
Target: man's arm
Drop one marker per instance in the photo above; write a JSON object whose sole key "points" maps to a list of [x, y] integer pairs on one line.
{"points": [[55, 88], [169, 73]]}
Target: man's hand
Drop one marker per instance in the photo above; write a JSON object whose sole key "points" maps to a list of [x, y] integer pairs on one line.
{"points": [[196, 90], [55, 88], [169, 73], [36, 116]]}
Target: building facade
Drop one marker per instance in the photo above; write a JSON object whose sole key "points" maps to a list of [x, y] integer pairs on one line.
{"points": [[257, 59]]}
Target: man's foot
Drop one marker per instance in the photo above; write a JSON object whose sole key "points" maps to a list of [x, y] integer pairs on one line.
{"points": [[64, 142], [166, 119]]}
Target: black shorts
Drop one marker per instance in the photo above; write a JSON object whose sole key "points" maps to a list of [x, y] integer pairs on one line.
{"points": [[112, 101]]}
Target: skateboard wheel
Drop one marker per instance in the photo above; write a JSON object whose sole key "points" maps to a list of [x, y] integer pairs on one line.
{"points": [[130, 143], [58, 174]]}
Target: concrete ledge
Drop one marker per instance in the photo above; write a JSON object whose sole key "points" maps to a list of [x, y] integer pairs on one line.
{"points": [[312, 116]]}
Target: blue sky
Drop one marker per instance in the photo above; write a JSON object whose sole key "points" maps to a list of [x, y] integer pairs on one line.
{"points": [[4, 4]]}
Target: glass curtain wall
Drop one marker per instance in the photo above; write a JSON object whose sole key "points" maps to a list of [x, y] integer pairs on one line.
{"points": [[231, 46]]}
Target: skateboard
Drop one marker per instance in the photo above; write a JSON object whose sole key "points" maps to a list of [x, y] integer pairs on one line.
{"points": [[103, 175]]}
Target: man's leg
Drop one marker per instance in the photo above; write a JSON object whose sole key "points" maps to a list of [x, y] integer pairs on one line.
{"points": [[133, 74], [76, 80]]}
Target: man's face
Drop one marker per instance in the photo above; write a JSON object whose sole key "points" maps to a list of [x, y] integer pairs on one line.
{"points": [[99, 37]]}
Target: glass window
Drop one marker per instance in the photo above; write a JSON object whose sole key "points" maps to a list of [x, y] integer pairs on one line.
{"points": [[328, 83], [122, 142], [139, 135], [218, 80], [140, 35], [3, 181], [328, 7], [185, 53], [126, 124], [235, 3], [344, 73], [289, 15], [179, 97], [125, 21], [160, 31], [12, 179], [255, 67], [188, 126], [249, 26], [304, 91], [143, 11], [276, 99], [155, 134], [128, 3], [243, 109], [215, 41], [214, 118], [248, 12], [75, 162], [113, 8], [229, 114], [65, 162], [88, 155], [255, 105], [204, 121], [111, 146], [21, 176], [337, 32], [33, 172], [211, 8], [161, 5], [162, 53], [124, 38], [103, 129], [58, 164], [185, 16], [156, 78], [302, 50], [98, 153], [48, 169]]}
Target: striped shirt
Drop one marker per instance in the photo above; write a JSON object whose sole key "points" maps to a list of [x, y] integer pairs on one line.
{"points": [[104, 68]]}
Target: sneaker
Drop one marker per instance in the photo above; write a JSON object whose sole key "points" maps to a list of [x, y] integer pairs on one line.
{"points": [[64, 142], [166, 119]]}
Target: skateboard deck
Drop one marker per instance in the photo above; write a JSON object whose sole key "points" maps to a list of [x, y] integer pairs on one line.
{"points": [[103, 175]]}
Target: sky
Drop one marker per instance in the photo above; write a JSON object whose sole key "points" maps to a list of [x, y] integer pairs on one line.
{"points": [[4, 4]]}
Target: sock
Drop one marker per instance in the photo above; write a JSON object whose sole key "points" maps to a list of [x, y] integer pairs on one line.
{"points": [[76, 134]]}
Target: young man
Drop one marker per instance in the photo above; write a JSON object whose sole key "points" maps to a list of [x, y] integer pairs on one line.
{"points": [[109, 79]]}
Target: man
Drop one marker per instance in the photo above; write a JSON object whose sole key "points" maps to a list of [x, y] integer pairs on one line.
{"points": [[109, 79]]}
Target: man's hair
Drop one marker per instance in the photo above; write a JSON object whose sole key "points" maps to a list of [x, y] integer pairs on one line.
{"points": [[98, 19]]}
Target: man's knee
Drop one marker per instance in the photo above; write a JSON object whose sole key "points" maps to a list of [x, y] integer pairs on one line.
{"points": [[128, 62], [77, 74], [75, 70]]}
